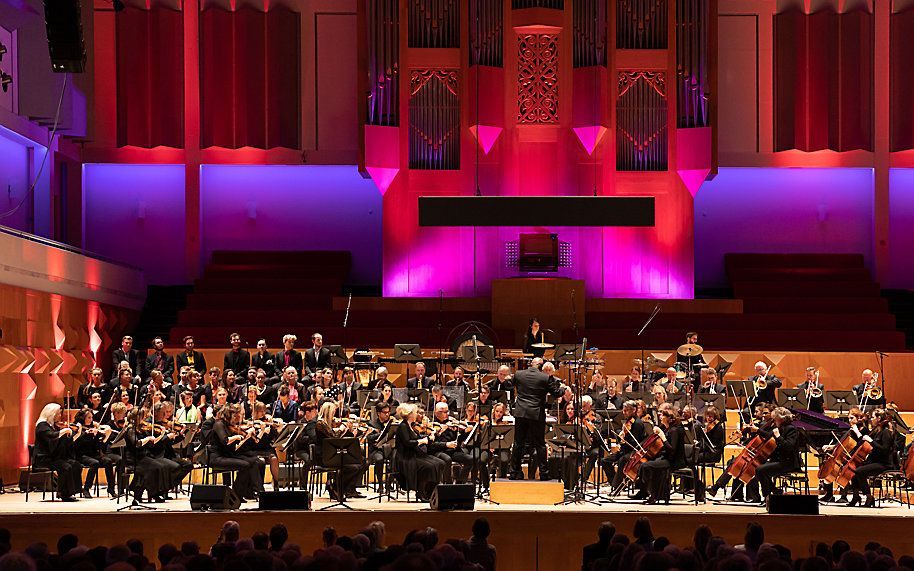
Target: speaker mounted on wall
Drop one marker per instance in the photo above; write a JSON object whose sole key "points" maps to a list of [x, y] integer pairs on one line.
{"points": [[65, 36]]}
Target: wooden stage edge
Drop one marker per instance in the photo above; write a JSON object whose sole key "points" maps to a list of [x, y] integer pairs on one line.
{"points": [[527, 537]]}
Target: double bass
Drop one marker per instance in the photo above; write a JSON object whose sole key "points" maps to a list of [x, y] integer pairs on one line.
{"points": [[756, 453]]}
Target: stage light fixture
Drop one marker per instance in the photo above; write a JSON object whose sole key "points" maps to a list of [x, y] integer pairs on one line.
{"points": [[5, 81]]}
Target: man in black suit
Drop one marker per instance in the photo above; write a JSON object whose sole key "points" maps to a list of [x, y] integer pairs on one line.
{"points": [[125, 353], [531, 386], [288, 357], [710, 385], [191, 358], [236, 359], [263, 359], [317, 357], [766, 393], [868, 381], [420, 381], [160, 361], [600, 549], [786, 456], [502, 381]]}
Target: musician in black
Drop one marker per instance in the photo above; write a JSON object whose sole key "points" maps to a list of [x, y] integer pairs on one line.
{"points": [[869, 393], [379, 426], [54, 451], [670, 381], [223, 453], [532, 386], [307, 436], [762, 414], [88, 451], [630, 437], [349, 390], [880, 460], [439, 396], [237, 358], [189, 357], [814, 390], [126, 352], [857, 420], [502, 380], [534, 336], [690, 362], [656, 473], [459, 379], [765, 384], [420, 381], [418, 470], [149, 475], [786, 457], [446, 439], [710, 384]]}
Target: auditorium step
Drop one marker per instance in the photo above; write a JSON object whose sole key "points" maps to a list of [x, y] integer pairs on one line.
{"points": [[901, 303], [160, 313]]}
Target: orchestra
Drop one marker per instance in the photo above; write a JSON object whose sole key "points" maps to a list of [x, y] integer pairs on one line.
{"points": [[151, 432]]}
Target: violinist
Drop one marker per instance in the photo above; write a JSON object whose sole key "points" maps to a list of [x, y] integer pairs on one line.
{"points": [[223, 453], [387, 397], [88, 450], [174, 468], [880, 460], [439, 396], [157, 384], [563, 462], [712, 443], [786, 456], [53, 451], [95, 405], [349, 475], [765, 384], [655, 473], [869, 393], [814, 390], [307, 436], [593, 423], [419, 471], [503, 458], [262, 443], [378, 454], [630, 437], [149, 474], [446, 437], [471, 442]]}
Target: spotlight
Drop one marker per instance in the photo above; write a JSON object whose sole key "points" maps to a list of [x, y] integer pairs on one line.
{"points": [[118, 5], [5, 81]]}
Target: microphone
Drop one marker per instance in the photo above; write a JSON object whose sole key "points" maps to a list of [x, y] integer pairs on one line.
{"points": [[881, 354]]}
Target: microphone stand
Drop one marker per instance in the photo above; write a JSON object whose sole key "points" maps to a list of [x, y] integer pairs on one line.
{"points": [[644, 327], [882, 357]]}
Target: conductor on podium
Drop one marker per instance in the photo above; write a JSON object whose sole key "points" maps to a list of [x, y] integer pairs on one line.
{"points": [[532, 386]]}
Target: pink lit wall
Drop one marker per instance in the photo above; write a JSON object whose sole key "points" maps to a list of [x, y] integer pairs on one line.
{"points": [[767, 210], [901, 228], [250, 207], [135, 214]]}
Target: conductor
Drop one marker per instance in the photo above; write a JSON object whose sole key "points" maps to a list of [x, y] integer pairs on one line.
{"points": [[531, 386]]}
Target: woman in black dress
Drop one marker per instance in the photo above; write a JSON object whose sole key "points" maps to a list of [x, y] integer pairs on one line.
{"points": [[223, 453], [535, 335], [54, 451], [881, 459], [90, 453], [351, 474], [418, 471]]}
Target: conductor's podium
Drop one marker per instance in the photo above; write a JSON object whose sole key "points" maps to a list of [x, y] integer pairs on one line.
{"points": [[528, 492]]}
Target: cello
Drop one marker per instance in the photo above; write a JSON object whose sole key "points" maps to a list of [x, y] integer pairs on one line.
{"points": [[850, 467], [647, 450], [832, 466], [756, 453]]}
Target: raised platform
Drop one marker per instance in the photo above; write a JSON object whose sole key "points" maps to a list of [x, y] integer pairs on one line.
{"points": [[527, 492], [527, 537]]}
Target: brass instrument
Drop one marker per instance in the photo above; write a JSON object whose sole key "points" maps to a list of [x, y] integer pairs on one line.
{"points": [[761, 382], [814, 392], [874, 393]]}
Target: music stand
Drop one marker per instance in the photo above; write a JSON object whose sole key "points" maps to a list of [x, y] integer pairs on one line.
{"points": [[840, 401], [704, 400], [339, 453], [792, 399], [407, 353], [338, 355], [612, 419], [362, 396], [286, 435], [420, 396], [497, 438], [899, 422], [646, 396], [498, 396], [678, 400], [568, 352]]}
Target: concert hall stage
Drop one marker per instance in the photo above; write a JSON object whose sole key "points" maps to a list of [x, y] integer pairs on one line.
{"points": [[527, 537]]}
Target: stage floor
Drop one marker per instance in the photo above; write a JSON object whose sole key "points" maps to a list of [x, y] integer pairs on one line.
{"points": [[526, 536]]}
